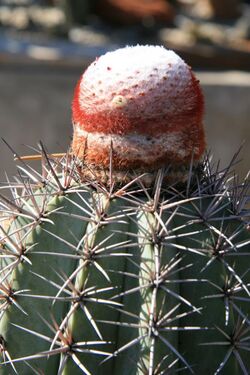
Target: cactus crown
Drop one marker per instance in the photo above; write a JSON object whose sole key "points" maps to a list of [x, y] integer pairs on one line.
{"points": [[144, 100]]}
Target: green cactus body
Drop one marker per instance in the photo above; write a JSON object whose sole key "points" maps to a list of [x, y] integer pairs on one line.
{"points": [[126, 281]]}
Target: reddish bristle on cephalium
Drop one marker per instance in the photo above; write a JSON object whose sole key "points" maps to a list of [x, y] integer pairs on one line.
{"points": [[145, 103]]}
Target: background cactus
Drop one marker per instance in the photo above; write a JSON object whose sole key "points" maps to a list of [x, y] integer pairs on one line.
{"points": [[102, 273]]}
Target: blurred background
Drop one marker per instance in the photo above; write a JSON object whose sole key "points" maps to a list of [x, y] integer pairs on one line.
{"points": [[46, 44]]}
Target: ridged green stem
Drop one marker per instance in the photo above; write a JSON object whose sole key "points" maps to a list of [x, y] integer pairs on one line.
{"points": [[144, 285]]}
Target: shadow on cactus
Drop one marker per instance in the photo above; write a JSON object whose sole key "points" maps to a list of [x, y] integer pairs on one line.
{"points": [[129, 254]]}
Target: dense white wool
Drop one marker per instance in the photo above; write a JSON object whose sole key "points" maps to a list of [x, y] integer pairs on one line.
{"points": [[133, 78], [140, 146]]}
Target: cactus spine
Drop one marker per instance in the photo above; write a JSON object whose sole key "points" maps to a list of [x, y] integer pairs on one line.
{"points": [[104, 274]]}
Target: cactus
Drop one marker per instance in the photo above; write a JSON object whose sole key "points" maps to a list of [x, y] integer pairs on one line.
{"points": [[128, 255]]}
